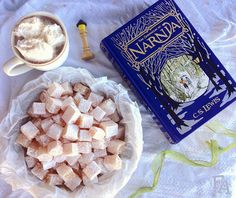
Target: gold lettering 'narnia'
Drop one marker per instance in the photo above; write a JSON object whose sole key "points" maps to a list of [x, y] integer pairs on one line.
{"points": [[162, 34]]}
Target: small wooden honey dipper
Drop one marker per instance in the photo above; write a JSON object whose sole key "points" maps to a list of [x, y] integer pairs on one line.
{"points": [[82, 27]]}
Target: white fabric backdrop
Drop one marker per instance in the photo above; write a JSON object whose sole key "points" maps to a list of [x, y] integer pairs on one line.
{"points": [[216, 22]]}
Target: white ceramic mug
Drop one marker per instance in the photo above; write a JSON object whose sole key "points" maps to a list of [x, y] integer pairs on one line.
{"points": [[17, 65]]}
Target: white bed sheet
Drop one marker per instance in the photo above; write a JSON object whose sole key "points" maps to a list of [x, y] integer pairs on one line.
{"points": [[216, 22]]}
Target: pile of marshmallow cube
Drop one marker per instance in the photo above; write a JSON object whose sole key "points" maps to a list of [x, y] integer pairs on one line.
{"points": [[73, 136]]}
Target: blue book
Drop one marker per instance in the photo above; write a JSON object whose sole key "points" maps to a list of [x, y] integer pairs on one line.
{"points": [[171, 68]]}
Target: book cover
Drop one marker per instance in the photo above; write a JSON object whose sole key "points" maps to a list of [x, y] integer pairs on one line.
{"points": [[170, 67]]}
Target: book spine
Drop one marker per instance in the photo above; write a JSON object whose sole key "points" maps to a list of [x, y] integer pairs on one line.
{"points": [[110, 57]]}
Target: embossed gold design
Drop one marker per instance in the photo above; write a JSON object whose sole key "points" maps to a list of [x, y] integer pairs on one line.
{"points": [[148, 30]]}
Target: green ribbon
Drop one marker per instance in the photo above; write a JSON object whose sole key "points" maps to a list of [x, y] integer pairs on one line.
{"points": [[213, 146]]}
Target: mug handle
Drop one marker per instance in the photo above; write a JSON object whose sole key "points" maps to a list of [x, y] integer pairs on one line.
{"points": [[15, 67]]}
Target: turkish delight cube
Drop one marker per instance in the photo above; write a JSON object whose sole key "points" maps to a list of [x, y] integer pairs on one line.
{"points": [[38, 108], [29, 130], [108, 106], [39, 172], [70, 132], [84, 136], [60, 158], [86, 158], [95, 99], [100, 163], [74, 182], [71, 149], [30, 161], [55, 90], [23, 140], [77, 97], [37, 122], [46, 123], [92, 170], [84, 105], [54, 180], [84, 147], [121, 132], [115, 116], [43, 155], [110, 128], [116, 146], [58, 119], [44, 96], [72, 160], [113, 162], [55, 131], [65, 172], [67, 88], [53, 105], [68, 101], [48, 164], [32, 149], [99, 153], [97, 133], [30, 112], [71, 114], [99, 144], [98, 113], [85, 121], [55, 148], [87, 181], [82, 89], [43, 140]]}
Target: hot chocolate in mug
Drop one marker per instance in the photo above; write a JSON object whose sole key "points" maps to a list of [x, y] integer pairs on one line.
{"points": [[19, 65]]}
